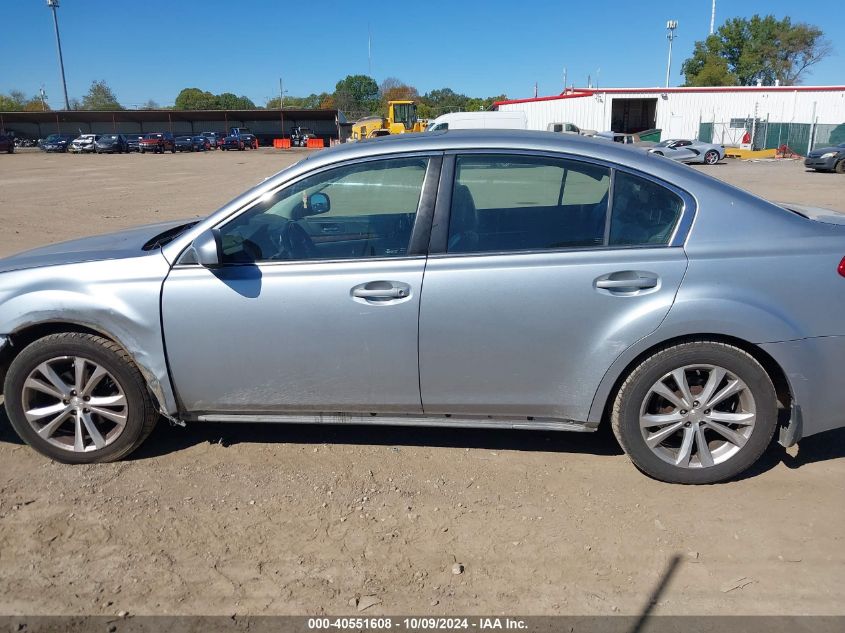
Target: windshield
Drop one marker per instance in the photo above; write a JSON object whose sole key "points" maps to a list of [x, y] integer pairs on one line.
{"points": [[152, 136], [53, 138], [109, 137]]}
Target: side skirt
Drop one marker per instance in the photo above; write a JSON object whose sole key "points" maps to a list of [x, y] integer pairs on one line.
{"points": [[477, 422]]}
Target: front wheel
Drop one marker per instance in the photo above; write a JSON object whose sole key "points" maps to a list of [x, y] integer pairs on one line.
{"points": [[711, 157], [840, 167], [78, 399], [695, 413]]}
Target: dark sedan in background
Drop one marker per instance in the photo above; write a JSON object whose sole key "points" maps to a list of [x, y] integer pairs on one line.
{"points": [[827, 159], [133, 142], [57, 142], [111, 144]]}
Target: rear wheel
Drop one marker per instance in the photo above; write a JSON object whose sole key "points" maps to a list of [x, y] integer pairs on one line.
{"points": [[695, 413], [78, 398], [711, 157]]}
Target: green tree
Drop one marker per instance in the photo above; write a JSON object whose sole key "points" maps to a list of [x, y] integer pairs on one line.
{"points": [[357, 94], [230, 101], [100, 97], [150, 105], [765, 49], [195, 99], [14, 101]]}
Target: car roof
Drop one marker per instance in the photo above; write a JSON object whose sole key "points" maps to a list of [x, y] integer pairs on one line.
{"points": [[480, 139]]}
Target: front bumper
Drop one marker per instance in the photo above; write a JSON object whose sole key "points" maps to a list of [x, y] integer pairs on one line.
{"points": [[813, 367], [820, 163]]}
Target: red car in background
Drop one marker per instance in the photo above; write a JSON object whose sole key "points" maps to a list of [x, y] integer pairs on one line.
{"points": [[157, 142]]}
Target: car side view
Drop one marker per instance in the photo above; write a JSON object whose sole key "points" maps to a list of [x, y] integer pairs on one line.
{"points": [[687, 151], [470, 278]]}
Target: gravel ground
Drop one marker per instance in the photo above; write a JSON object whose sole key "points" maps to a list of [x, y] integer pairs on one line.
{"points": [[225, 519]]}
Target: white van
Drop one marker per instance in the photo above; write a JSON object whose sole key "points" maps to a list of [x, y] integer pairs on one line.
{"points": [[479, 120]]}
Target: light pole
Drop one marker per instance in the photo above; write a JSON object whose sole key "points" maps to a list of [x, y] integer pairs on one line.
{"points": [[282, 106], [713, 17], [671, 25], [54, 4]]}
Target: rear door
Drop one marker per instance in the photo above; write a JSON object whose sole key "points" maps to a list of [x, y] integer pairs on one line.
{"points": [[544, 271]]}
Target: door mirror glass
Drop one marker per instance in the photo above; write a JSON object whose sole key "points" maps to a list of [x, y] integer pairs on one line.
{"points": [[318, 203]]}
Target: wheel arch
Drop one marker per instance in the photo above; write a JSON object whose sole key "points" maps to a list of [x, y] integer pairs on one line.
{"points": [[621, 369], [30, 333]]}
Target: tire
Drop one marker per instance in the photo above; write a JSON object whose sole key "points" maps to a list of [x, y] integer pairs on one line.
{"points": [[711, 157], [840, 167], [729, 458], [138, 411]]}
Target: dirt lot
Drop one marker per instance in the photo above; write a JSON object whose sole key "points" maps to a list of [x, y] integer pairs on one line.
{"points": [[225, 519]]}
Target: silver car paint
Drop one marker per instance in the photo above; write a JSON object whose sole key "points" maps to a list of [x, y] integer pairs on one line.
{"points": [[755, 272]]}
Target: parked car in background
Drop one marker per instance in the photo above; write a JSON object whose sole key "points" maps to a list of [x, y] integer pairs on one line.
{"points": [[686, 151], [827, 159], [624, 138], [299, 136], [84, 144], [233, 142], [201, 143], [479, 121], [638, 317], [7, 144], [212, 138], [57, 142], [157, 142], [568, 128], [111, 144], [249, 140], [184, 143], [133, 142]]}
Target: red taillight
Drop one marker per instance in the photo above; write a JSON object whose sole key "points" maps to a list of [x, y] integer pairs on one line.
{"points": [[841, 268]]}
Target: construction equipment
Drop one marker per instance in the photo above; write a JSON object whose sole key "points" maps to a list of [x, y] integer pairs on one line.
{"points": [[401, 118]]}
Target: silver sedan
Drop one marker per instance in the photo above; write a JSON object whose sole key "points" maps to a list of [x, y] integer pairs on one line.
{"points": [[491, 279], [686, 151]]}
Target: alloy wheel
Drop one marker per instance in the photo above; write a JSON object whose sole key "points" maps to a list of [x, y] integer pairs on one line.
{"points": [[74, 404], [697, 416]]}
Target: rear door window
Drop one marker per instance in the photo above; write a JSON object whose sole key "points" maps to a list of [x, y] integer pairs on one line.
{"points": [[517, 203], [644, 213]]}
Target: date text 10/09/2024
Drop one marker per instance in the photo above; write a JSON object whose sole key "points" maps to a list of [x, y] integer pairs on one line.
{"points": [[416, 623]]}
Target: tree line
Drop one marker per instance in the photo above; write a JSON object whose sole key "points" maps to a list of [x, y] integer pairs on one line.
{"points": [[742, 52]]}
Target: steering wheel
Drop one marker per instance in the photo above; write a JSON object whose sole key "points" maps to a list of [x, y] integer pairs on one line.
{"points": [[296, 243]]}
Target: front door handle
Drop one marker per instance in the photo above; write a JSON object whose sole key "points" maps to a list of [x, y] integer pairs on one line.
{"points": [[387, 293], [380, 292]]}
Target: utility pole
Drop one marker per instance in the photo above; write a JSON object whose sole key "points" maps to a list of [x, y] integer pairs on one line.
{"points": [[282, 106], [713, 17], [43, 96], [54, 4], [564, 78], [369, 52], [671, 25]]}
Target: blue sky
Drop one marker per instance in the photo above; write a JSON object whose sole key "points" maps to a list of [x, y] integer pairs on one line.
{"points": [[153, 48]]}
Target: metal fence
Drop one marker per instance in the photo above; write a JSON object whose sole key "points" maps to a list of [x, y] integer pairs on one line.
{"points": [[765, 134]]}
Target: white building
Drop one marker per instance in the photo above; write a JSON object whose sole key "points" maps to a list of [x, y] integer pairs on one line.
{"points": [[800, 116]]}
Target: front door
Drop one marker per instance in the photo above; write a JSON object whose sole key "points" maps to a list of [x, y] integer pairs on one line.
{"points": [[316, 306], [543, 284]]}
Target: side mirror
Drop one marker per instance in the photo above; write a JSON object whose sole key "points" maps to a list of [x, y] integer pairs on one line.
{"points": [[318, 203], [208, 247]]}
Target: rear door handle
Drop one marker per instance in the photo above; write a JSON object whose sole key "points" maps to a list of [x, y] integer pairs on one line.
{"points": [[627, 281], [640, 282]]}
